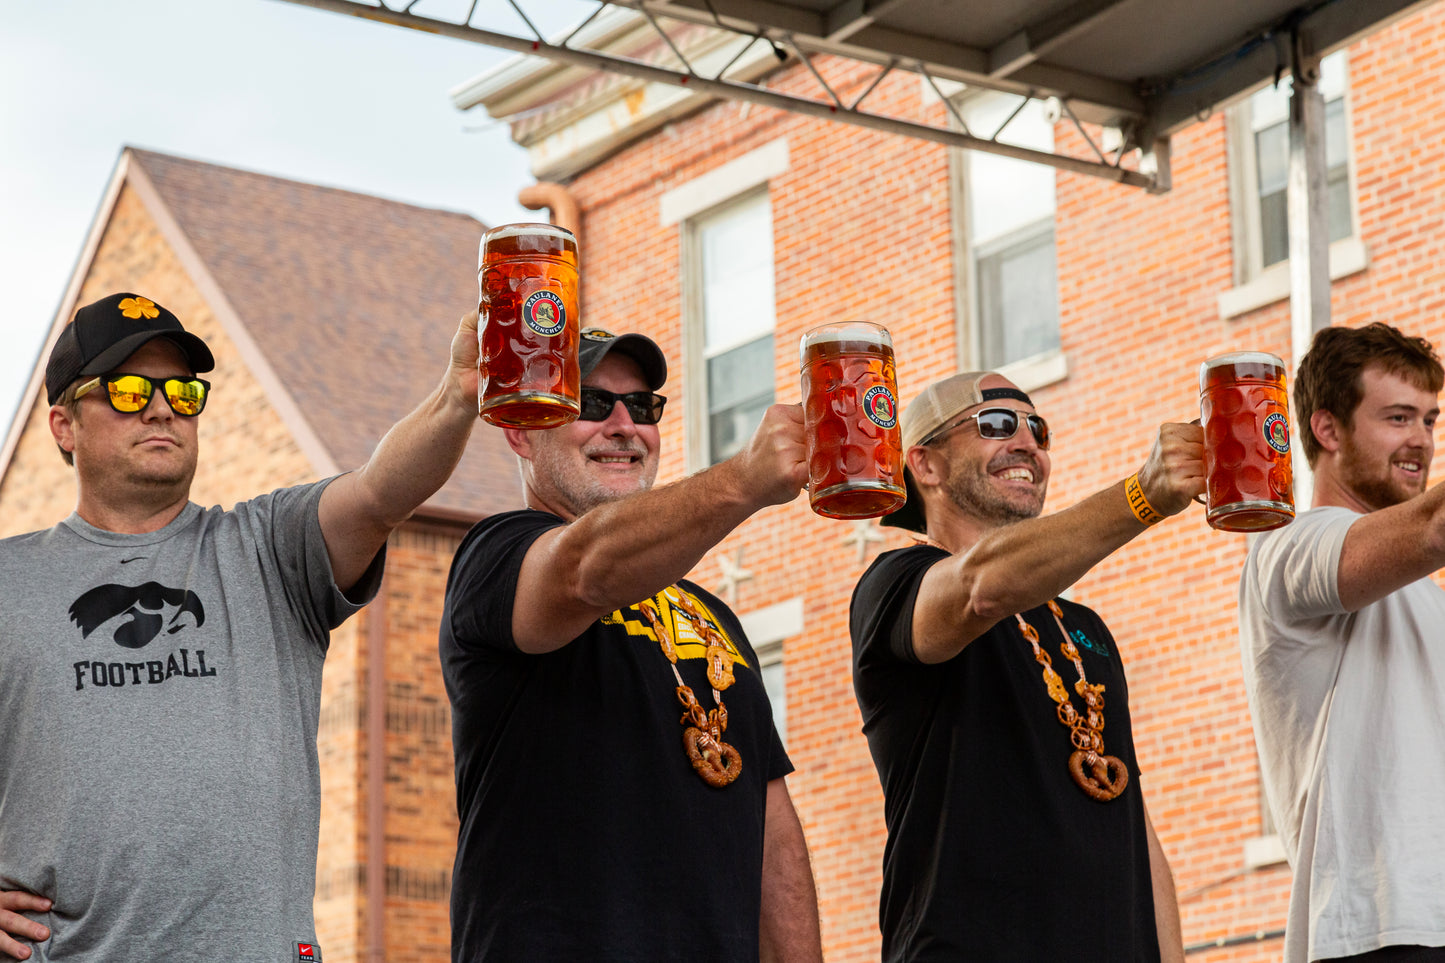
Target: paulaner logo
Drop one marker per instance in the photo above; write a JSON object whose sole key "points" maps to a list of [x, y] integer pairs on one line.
{"points": [[144, 606]]}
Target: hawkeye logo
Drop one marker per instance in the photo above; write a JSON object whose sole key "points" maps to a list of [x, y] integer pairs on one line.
{"points": [[136, 616]]}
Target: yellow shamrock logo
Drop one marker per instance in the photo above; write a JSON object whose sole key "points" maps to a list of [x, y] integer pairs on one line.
{"points": [[139, 307]]}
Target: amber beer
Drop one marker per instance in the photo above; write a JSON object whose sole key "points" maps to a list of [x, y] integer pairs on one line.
{"points": [[1244, 409], [527, 329], [850, 413]]}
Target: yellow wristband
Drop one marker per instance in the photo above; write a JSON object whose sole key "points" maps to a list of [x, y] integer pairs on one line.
{"points": [[1138, 504]]}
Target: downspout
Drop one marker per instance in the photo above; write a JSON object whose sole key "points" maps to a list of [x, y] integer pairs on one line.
{"points": [[376, 777]]}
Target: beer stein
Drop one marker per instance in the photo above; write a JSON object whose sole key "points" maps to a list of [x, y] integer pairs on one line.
{"points": [[850, 414], [527, 326], [1243, 407]]}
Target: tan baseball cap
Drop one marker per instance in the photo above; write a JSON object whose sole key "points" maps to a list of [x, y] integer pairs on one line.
{"points": [[933, 410]]}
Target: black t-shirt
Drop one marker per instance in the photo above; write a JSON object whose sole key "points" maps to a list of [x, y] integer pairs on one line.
{"points": [[993, 852], [585, 832]]}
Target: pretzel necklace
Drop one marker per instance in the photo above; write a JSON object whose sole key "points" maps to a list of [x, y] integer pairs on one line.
{"points": [[1101, 777], [716, 762]]}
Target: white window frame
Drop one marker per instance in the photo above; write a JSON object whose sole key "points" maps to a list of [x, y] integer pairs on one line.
{"points": [[1255, 285], [1028, 373], [684, 206], [766, 629]]}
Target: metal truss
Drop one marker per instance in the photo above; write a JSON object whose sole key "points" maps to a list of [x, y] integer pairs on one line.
{"points": [[1103, 117]]}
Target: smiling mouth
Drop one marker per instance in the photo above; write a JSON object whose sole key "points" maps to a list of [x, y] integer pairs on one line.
{"points": [[1017, 473], [615, 459]]}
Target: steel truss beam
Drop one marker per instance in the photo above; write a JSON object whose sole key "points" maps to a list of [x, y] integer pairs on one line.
{"points": [[1012, 68]]}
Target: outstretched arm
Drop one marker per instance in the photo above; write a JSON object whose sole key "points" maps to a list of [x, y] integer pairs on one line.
{"points": [[788, 926], [415, 458], [15, 927], [625, 550], [1386, 550], [1019, 566]]}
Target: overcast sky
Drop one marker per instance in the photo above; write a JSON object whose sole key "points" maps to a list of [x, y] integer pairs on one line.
{"points": [[257, 84]]}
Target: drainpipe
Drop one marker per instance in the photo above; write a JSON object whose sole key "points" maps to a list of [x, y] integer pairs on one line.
{"points": [[376, 777], [558, 200]]}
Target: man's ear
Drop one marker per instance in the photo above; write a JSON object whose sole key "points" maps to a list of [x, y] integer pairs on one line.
{"points": [[925, 464], [62, 427], [1326, 428], [520, 441]]}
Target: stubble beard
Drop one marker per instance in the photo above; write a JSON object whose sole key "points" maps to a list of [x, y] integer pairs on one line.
{"points": [[969, 488], [1375, 488]]}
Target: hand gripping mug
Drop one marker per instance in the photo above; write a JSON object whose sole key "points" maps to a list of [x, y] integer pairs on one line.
{"points": [[1244, 408], [850, 414], [527, 326]]}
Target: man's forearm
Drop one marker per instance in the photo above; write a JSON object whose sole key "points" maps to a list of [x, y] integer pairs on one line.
{"points": [[788, 926]]}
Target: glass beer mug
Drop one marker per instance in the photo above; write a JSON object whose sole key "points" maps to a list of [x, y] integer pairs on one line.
{"points": [[527, 326], [850, 414], [1244, 409]]}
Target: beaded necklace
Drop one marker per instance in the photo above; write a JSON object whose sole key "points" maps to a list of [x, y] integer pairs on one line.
{"points": [[716, 762], [1101, 777]]}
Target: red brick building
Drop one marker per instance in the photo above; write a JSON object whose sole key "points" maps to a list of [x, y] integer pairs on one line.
{"points": [[724, 230], [330, 315]]}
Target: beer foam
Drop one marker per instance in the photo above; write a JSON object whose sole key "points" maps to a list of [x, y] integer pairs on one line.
{"points": [[859, 332], [514, 230], [1245, 357]]}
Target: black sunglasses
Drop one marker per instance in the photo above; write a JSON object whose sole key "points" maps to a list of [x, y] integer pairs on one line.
{"points": [[998, 424], [644, 407], [130, 393]]}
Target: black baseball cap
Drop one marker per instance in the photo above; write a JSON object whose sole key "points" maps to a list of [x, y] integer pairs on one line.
{"points": [[106, 332], [594, 343]]}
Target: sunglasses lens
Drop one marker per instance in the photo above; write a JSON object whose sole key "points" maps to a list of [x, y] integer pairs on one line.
{"points": [[596, 404], [997, 424], [129, 393], [644, 407], [186, 397], [1040, 428]]}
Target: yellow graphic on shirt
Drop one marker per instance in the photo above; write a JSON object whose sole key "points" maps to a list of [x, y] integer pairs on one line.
{"points": [[678, 623]]}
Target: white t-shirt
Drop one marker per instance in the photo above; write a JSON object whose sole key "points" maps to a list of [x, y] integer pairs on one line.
{"points": [[1349, 718]]}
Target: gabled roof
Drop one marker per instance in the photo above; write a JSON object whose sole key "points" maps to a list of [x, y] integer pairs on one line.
{"points": [[343, 305]]}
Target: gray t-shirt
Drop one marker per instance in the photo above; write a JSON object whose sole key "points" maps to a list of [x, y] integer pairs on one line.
{"points": [[1349, 718], [159, 697]]}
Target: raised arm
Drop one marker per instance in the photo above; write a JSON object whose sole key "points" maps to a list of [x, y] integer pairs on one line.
{"points": [[788, 927], [623, 551], [1386, 550], [1019, 566], [415, 458]]}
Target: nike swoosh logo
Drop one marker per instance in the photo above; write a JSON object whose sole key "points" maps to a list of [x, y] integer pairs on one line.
{"points": [[137, 558]]}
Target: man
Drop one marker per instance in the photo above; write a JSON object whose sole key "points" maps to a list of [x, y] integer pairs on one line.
{"points": [[1016, 823], [595, 825], [159, 786], [1340, 628]]}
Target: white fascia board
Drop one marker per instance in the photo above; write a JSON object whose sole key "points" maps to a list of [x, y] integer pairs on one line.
{"points": [[579, 137], [528, 73]]}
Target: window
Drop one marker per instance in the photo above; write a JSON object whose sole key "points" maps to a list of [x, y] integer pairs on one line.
{"points": [[1260, 157], [1010, 205], [770, 667], [732, 271]]}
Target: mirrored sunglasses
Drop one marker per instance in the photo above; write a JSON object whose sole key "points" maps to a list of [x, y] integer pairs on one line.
{"points": [[130, 393], [644, 407], [999, 424]]}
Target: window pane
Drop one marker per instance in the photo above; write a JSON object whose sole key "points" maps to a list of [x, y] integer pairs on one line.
{"points": [[1272, 159], [740, 389], [1018, 300], [1005, 194], [737, 273], [774, 684]]}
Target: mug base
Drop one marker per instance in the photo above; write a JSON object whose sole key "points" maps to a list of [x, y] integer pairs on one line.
{"points": [[1254, 516]]}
